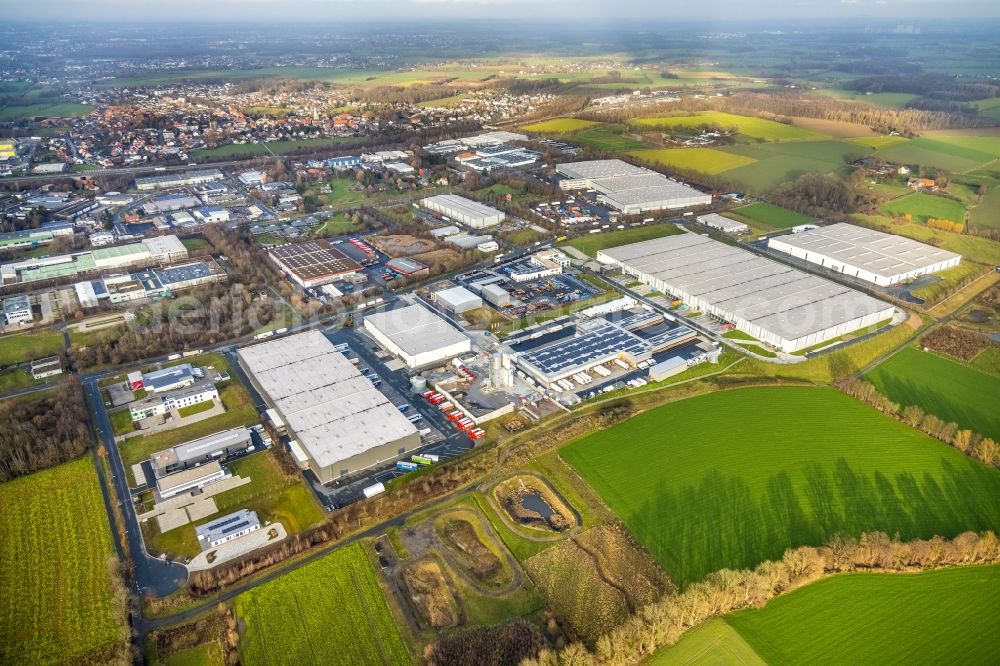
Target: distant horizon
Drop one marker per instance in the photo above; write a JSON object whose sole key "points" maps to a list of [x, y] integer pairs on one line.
{"points": [[567, 11]]}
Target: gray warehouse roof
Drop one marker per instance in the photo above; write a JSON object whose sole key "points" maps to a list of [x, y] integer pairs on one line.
{"points": [[454, 205], [591, 169], [880, 253], [415, 330], [787, 302], [330, 406]]}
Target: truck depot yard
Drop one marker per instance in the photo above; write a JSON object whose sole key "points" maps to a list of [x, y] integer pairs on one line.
{"points": [[730, 479]]}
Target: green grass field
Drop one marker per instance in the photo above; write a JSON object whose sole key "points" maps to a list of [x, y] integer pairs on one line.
{"points": [[772, 216], [270, 148], [57, 604], [986, 215], [591, 243], [730, 479], [877, 142], [921, 207], [890, 100], [610, 138], [704, 160], [194, 244], [330, 611], [195, 409], [559, 126], [946, 616], [777, 163], [47, 110], [206, 654], [749, 126], [29, 346], [711, 643], [951, 153], [341, 194], [943, 387], [989, 107]]}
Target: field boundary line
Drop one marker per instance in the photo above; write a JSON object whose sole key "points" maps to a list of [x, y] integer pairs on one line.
{"points": [[371, 619]]}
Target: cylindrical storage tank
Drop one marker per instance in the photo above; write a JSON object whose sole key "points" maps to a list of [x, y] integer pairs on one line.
{"points": [[418, 384]]}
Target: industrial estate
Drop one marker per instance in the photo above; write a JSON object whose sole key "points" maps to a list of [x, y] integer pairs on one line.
{"points": [[387, 346]]}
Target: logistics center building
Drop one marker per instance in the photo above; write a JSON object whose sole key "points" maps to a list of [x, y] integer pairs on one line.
{"points": [[870, 255], [782, 306], [342, 422], [417, 336], [630, 189], [465, 211]]}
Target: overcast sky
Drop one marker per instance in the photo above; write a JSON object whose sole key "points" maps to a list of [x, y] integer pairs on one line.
{"points": [[332, 10]]}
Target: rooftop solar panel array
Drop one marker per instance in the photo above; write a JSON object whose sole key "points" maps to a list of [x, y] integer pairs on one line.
{"points": [[314, 259]]}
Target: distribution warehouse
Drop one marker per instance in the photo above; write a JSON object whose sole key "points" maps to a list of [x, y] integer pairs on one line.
{"points": [[865, 253], [630, 189], [417, 336], [779, 305], [343, 423], [462, 210]]}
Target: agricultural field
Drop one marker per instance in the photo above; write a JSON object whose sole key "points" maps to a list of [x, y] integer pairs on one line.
{"points": [[58, 603], [772, 216], [932, 617], [755, 128], [989, 108], [591, 243], [559, 126], [986, 214], [610, 138], [704, 160], [777, 163], [889, 100], [836, 128], [943, 387], [714, 642], [705, 484], [878, 142], [329, 611], [922, 207], [43, 110], [951, 153], [24, 347], [270, 148]]}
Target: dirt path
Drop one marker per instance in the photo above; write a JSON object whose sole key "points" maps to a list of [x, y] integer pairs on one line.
{"points": [[605, 577]]}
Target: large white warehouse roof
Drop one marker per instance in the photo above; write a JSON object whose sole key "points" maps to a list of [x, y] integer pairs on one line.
{"points": [[334, 410], [778, 304], [872, 255], [463, 210], [416, 330], [592, 169]]}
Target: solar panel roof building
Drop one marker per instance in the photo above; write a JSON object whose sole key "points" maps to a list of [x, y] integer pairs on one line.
{"points": [[417, 335], [342, 421], [782, 306], [227, 528], [877, 257], [313, 263]]}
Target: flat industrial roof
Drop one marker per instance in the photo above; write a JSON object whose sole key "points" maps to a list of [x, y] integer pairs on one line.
{"points": [[591, 169], [188, 476], [665, 191], [460, 206], [873, 251], [592, 342], [226, 525], [721, 222], [183, 272], [314, 259], [415, 330], [785, 301], [332, 409], [201, 446]]}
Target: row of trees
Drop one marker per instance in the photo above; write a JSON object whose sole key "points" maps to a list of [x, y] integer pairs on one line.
{"points": [[984, 449], [40, 432], [663, 623]]}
